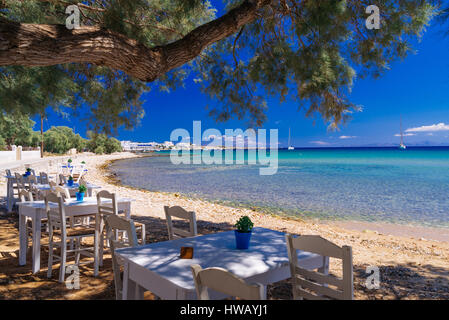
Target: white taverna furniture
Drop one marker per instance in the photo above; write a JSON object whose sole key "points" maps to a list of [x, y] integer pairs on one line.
{"points": [[158, 268]]}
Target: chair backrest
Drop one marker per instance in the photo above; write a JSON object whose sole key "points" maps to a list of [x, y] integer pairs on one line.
{"points": [[31, 179], [20, 181], [62, 178], [114, 224], [107, 208], [33, 173], [61, 192], [320, 286], [178, 212], [44, 177], [223, 281], [25, 195], [8, 172], [56, 215], [52, 185], [82, 181]]}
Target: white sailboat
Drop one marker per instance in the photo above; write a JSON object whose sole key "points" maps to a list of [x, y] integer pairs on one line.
{"points": [[402, 145], [290, 147]]}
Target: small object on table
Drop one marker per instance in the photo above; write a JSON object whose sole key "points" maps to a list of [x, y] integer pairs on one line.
{"points": [[186, 253]]}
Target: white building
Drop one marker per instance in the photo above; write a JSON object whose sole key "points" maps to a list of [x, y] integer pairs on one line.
{"points": [[139, 146]]}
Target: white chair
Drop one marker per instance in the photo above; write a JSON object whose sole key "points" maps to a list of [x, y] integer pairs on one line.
{"points": [[15, 189], [57, 225], [223, 281], [82, 181], [111, 208], [61, 192], [115, 224], [316, 285], [178, 212], [43, 178], [62, 179], [20, 182], [24, 196], [52, 185]]}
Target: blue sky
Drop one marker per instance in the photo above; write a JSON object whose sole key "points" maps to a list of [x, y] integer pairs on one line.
{"points": [[416, 88]]}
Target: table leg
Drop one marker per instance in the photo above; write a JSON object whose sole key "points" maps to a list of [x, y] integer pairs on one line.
{"points": [[125, 287], [10, 194], [130, 289], [22, 240], [36, 245], [128, 210], [325, 267]]}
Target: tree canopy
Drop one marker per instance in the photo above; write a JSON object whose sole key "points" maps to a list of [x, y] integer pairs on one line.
{"points": [[17, 129], [311, 51]]}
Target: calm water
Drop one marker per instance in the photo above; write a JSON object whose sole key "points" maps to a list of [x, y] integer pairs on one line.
{"points": [[368, 184]]}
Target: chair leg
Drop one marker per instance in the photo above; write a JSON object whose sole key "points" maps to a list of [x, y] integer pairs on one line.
{"points": [[97, 254], [78, 251], [63, 260], [143, 234], [101, 242], [50, 257]]}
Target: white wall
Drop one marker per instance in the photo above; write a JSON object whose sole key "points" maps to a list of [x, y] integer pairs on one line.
{"points": [[29, 155], [11, 156], [7, 156]]}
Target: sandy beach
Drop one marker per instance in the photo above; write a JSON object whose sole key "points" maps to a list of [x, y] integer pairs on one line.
{"points": [[413, 261]]}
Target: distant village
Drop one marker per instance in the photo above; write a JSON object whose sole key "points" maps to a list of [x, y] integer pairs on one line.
{"points": [[167, 145]]}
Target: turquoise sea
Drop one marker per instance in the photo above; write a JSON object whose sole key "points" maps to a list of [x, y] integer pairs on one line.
{"points": [[366, 184]]}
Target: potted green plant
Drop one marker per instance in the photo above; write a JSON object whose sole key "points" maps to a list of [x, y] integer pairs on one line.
{"points": [[69, 163], [27, 172], [243, 233], [81, 192], [70, 181]]}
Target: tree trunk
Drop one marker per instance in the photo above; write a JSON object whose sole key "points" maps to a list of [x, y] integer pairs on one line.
{"points": [[45, 45], [42, 135]]}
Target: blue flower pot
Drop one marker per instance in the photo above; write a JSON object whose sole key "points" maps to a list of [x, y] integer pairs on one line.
{"points": [[242, 239], [70, 183], [27, 173], [80, 196]]}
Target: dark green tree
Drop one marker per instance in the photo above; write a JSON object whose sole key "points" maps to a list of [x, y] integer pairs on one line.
{"points": [[100, 144], [17, 129], [62, 139], [311, 51]]}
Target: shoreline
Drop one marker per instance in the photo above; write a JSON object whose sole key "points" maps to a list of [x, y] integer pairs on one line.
{"points": [[409, 268], [407, 230]]}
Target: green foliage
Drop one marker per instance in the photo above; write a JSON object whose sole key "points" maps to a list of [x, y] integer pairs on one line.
{"points": [[62, 139], [2, 143], [16, 129], [82, 189], [99, 150], [100, 144], [70, 178], [114, 98], [244, 224], [307, 51]]}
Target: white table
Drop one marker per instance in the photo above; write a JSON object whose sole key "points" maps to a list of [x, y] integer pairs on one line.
{"points": [[72, 189], [10, 190], [36, 211], [157, 267]]}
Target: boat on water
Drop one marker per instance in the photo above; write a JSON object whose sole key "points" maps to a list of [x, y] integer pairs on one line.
{"points": [[402, 145], [290, 147]]}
